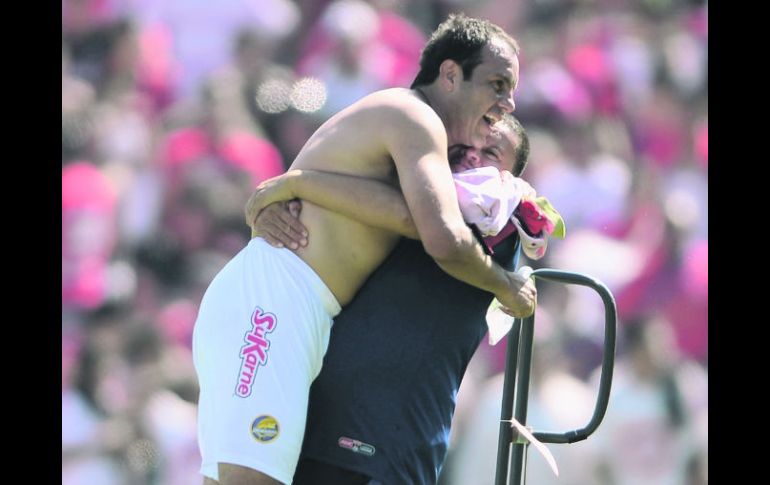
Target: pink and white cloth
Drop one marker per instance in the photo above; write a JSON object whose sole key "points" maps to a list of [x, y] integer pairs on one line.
{"points": [[491, 199]]}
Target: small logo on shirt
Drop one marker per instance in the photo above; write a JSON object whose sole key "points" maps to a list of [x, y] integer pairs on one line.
{"points": [[355, 446], [254, 352], [265, 428]]}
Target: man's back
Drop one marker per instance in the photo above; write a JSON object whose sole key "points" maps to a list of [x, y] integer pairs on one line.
{"points": [[341, 251]]}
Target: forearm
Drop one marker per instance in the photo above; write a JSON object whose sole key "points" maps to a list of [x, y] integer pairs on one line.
{"points": [[378, 204], [468, 263], [465, 260], [365, 200], [417, 145], [429, 192]]}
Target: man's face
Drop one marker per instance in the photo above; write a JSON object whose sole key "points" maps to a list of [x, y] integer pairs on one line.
{"points": [[482, 99], [499, 151]]}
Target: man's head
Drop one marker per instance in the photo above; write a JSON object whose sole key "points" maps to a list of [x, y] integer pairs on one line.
{"points": [[507, 148], [460, 39], [469, 68]]}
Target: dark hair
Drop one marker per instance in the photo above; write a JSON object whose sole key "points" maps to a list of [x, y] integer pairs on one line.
{"points": [[460, 39], [521, 157]]}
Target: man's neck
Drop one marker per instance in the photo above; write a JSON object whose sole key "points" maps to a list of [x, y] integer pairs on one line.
{"points": [[433, 98]]}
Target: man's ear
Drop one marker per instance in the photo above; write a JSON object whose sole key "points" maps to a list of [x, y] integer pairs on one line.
{"points": [[450, 74]]}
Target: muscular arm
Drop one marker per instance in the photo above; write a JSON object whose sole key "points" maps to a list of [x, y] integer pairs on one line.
{"points": [[418, 146], [365, 200]]}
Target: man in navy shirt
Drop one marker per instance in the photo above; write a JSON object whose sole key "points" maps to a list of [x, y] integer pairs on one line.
{"points": [[381, 408]]}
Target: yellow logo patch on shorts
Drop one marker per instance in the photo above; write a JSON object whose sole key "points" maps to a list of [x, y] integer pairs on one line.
{"points": [[265, 428]]}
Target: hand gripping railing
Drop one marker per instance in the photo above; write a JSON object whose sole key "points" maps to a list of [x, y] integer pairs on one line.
{"points": [[520, 352]]}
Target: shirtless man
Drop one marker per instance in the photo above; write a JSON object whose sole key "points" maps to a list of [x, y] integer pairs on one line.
{"points": [[408, 315], [264, 322]]}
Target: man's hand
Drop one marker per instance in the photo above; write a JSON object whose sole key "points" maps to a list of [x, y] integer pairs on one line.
{"points": [[521, 300], [279, 225], [272, 190]]}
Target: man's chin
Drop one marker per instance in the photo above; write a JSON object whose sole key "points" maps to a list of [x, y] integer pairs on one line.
{"points": [[479, 139], [483, 130]]}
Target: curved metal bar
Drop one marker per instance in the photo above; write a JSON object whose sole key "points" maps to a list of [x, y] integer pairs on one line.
{"points": [[608, 359]]}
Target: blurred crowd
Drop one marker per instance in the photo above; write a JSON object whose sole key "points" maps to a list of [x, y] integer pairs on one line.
{"points": [[173, 110]]}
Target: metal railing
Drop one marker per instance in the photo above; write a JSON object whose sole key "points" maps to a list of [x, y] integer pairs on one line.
{"points": [[517, 376]]}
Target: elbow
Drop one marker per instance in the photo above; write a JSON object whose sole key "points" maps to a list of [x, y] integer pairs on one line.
{"points": [[447, 247], [407, 227]]}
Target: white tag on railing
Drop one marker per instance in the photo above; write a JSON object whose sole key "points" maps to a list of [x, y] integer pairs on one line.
{"points": [[539, 446]]}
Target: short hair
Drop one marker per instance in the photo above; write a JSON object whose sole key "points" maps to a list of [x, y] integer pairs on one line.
{"points": [[521, 149], [460, 39]]}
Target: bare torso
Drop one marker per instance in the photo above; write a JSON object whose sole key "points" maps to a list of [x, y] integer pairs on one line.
{"points": [[344, 252]]}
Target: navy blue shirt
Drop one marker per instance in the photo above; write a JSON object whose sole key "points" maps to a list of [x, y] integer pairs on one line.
{"points": [[383, 402]]}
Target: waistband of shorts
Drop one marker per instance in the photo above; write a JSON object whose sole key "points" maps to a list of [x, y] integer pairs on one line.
{"points": [[328, 300]]}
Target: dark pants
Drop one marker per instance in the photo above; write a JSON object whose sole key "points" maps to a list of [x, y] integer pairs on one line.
{"points": [[314, 472]]}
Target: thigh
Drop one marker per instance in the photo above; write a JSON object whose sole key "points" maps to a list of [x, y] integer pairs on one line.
{"points": [[255, 359], [238, 475]]}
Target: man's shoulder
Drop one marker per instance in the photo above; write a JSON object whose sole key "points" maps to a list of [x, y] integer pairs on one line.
{"points": [[403, 115], [402, 104]]}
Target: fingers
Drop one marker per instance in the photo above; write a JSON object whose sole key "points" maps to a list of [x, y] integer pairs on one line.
{"points": [[522, 310], [529, 295], [507, 311], [524, 301], [271, 240], [275, 236], [292, 232], [529, 291], [279, 228]]}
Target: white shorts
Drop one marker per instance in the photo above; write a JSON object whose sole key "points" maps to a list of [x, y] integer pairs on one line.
{"points": [[259, 341]]}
